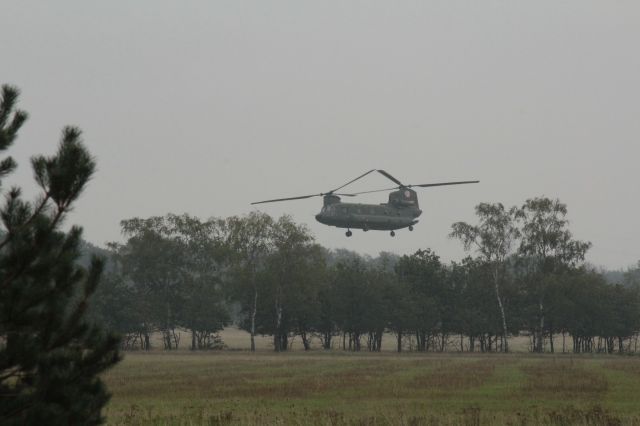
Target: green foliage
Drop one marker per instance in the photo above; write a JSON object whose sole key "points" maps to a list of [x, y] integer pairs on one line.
{"points": [[546, 237], [170, 269], [493, 239], [50, 353], [424, 276], [632, 277], [289, 279], [249, 242], [547, 252]]}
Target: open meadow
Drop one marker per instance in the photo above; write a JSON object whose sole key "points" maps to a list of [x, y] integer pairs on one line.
{"points": [[338, 387]]}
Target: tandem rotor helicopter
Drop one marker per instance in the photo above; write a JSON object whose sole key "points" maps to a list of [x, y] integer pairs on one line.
{"points": [[400, 212]]}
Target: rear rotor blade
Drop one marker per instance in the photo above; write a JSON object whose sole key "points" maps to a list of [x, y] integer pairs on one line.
{"points": [[302, 197], [351, 181], [425, 185], [391, 178]]}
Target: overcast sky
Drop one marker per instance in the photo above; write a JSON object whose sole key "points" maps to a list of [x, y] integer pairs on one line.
{"points": [[205, 106]]}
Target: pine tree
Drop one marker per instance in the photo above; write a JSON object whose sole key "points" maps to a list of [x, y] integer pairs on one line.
{"points": [[50, 353]]}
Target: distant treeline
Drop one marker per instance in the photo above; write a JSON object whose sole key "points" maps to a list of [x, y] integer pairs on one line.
{"points": [[525, 276]]}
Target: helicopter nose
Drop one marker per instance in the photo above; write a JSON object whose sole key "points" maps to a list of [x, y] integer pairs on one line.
{"points": [[319, 217], [418, 213]]}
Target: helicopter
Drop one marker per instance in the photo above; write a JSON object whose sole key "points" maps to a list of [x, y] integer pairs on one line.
{"points": [[401, 211]]}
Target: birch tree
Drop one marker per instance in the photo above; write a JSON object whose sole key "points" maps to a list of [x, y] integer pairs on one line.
{"points": [[493, 239], [289, 268], [549, 249], [250, 240]]}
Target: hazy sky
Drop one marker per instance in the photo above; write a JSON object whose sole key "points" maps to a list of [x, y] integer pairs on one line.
{"points": [[205, 106]]}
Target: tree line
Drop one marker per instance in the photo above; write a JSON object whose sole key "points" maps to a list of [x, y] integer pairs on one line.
{"points": [[524, 275]]}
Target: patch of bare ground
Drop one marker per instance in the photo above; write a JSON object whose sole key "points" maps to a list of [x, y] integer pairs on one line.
{"points": [[278, 382], [309, 385], [449, 375], [563, 378], [629, 366]]}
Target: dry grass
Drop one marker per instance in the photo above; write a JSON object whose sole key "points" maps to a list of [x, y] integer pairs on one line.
{"points": [[564, 378], [454, 375], [626, 366], [340, 388]]}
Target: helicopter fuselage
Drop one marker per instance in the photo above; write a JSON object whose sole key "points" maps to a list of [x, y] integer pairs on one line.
{"points": [[402, 211]]}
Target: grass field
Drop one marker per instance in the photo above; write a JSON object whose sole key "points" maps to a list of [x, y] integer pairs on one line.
{"points": [[335, 388]]}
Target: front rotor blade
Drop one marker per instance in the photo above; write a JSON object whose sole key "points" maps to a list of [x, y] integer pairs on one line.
{"points": [[425, 185], [388, 176], [369, 192], [302, 197], [351, 181]]}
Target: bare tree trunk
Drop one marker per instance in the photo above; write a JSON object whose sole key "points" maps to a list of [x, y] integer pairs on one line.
{"points": [[305, 341], [326, 340], [399, 341], [278, 332], [496, 281], [356, 342], [254, 311], [176, 338], [540, 331]]}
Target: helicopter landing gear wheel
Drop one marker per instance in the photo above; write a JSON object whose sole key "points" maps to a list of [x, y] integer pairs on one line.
{"points": [[410, 227], [393, 233], [348, 233]]}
